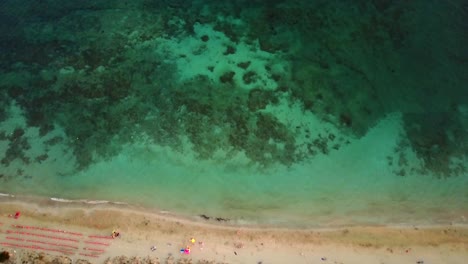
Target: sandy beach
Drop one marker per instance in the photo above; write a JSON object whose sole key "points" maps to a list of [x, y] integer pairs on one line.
{"points": [[245, 131], [214, 241]]}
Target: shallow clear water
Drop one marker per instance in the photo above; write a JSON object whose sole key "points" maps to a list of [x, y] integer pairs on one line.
{"points": [[244, 113]]}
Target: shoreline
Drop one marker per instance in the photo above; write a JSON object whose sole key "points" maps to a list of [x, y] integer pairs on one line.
{"points": [[203, 219], [237, 244]]}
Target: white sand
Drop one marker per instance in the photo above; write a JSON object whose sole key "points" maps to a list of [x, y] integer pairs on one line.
{"points": [[222, 243]]}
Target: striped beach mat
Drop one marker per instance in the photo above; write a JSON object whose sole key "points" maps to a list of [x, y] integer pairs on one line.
{"points": [[52, 240]]}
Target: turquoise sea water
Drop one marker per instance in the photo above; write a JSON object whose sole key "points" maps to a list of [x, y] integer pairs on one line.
{"points": [[291, 113]]}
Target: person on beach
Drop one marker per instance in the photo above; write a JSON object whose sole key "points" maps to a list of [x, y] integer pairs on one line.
{"points": [[115, 234]]}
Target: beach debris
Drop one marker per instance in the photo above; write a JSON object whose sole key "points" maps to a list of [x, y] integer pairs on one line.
{"points": [[153, 248], [16, 215], [323, 259], [420, 262], [205, 217], [239, 245], [219, 219], [235, 253]]}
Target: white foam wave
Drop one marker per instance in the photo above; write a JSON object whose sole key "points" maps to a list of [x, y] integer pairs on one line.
{"points": [[95, 201], [62, 200]]}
